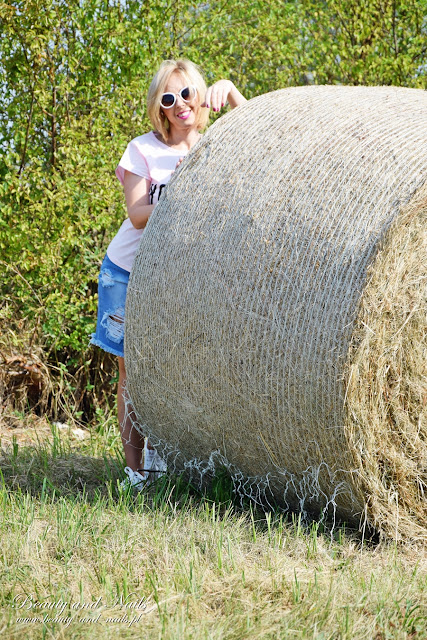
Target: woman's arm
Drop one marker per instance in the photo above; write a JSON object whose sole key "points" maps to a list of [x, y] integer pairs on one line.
{"points": [[137, 199], [221, 92]]}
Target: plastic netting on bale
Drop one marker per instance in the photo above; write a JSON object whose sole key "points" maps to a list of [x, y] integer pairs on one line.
{"points": [[276, 312]]}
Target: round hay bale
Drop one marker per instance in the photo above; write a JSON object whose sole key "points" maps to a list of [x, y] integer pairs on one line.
{"points": [[276, 312]]}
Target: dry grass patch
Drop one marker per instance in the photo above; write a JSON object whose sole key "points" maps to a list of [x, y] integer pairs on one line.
{"points": [[196, 568]]}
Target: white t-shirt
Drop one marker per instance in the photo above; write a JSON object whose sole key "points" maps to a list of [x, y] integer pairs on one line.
{"points": [[149, 158]]}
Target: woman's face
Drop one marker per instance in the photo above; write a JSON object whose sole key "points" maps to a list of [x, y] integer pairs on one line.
{"points": [[183, 115]]}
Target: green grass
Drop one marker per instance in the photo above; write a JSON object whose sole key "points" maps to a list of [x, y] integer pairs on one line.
{"points": [[180, 564]]}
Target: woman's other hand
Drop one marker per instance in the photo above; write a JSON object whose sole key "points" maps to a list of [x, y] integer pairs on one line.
{"points": [[220, 93]]}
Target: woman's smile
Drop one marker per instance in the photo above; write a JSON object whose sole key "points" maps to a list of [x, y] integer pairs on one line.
{"points": [[183, 115]]}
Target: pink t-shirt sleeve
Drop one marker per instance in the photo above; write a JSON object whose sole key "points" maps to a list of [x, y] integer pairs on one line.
{"points": [[132, 160]]}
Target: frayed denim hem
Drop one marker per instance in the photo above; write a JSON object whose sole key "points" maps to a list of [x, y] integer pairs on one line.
{"points": [[114, 352]]}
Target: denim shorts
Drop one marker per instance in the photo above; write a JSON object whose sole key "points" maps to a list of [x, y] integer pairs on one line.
{"points": [[110, 324]]}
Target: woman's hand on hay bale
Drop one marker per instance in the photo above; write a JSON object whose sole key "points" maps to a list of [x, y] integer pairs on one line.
{"points": [[220, 93]]}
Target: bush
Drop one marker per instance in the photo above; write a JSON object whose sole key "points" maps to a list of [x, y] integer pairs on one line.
{"points": [[77, 76]]}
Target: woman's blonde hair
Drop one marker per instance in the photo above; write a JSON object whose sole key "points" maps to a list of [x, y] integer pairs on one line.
{"points": [[192, 76]]}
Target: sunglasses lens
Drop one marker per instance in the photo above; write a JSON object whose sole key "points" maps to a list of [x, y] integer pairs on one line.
{"points": [[188, 93], [168, 99]]}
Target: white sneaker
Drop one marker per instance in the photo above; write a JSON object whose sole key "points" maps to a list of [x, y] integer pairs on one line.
{"points": [[134, 479], [153, 464]]}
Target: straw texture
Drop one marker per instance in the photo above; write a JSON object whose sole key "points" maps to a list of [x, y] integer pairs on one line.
{"points": [[276, 312]]}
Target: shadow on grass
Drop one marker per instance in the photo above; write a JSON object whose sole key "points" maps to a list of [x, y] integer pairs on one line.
{"points": [[50, 470], [38, 471], [45, 471]]}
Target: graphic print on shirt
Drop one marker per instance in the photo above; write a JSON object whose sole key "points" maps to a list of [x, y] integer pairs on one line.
{"points": [[153, 189]]}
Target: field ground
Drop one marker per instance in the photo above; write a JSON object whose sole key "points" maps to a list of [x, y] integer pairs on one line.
{"points": [[80, 559]]}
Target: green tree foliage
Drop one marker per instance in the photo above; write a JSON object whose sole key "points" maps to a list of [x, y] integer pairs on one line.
{"points": [[371, 42], [75, 76]]}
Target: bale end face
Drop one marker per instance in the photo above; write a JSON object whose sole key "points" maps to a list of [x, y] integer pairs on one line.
{"points": [[387, 379]]}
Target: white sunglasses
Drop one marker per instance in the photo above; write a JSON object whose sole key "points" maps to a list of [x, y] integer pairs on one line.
{"points": [[187, 94]]}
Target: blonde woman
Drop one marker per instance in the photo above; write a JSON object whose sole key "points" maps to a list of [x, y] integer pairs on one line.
{"points": [[178, 105]]}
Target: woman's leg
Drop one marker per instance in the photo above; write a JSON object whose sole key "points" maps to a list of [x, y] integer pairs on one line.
{"points": [[133, 441]]}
